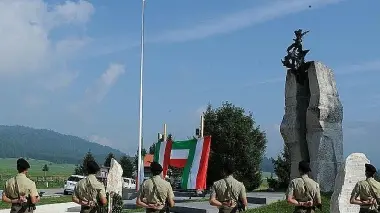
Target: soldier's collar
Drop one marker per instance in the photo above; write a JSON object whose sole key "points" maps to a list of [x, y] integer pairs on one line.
{"points": [[21, 174], [305, 175]]}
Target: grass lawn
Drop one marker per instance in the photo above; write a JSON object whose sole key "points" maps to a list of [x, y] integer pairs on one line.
{"points": [[8, 167], [58, 172], [46, 200], [284, 207]]}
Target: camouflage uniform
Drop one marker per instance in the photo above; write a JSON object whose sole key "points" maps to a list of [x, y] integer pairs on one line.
{"points": [[89, 189], [25, 187], [151, 196], [303, 194], [219, 190]]}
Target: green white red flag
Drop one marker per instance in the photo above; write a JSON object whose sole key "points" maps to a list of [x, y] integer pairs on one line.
{"points": [[191, 155]]}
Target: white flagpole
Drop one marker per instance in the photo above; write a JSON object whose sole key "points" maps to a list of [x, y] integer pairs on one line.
{"points": [[141, 93]]}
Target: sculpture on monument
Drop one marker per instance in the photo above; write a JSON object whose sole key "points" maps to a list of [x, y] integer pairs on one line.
{"points": [[295, 59], [312, 124]]}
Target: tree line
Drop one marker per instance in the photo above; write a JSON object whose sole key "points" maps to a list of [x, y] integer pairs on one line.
{"points": [[124, 162], [235, 137]]}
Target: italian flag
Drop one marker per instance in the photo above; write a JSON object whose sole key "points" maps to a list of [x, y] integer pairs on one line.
{"points": [[191, 155]]}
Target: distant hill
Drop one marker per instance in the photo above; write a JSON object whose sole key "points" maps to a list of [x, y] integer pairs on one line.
{"points": [[43, 144]]}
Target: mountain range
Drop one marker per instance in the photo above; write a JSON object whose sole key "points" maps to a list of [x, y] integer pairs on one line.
{"points": [[43, 144]]}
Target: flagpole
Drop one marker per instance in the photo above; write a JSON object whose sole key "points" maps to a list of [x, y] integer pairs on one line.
{"points": [[141, 93]]}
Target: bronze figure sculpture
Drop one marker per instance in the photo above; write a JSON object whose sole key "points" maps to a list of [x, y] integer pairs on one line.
{"points": [[295, 59]]}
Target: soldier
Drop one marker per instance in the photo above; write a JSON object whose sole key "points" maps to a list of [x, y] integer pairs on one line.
{"points": [[155, 194], [89, 192], [366, 192], [20, 191], [304, 192], [228, 194]]}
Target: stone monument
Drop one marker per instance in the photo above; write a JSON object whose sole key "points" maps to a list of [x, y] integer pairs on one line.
{"points": [[114, 185], [350, 173], [312, 124], [114, 178]]}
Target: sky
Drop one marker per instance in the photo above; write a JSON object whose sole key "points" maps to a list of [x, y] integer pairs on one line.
{"points": [[73, 66]]}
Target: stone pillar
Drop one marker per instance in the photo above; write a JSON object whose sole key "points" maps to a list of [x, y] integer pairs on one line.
{"points": [[324, 126], [293, 125], [312, 124]]}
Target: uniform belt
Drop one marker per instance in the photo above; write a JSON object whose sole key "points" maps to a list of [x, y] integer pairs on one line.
{"points": [[305, 207], [87, 207]]}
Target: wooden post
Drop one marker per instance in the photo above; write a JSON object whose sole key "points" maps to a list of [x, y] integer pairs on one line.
{"points": [[165, 133], [202, 127]]}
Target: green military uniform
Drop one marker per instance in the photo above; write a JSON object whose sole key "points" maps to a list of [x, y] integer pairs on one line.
{"points": [[304, 189], [367, 190], [25, 187], [89, 189], [223, 193], [156, 195]]}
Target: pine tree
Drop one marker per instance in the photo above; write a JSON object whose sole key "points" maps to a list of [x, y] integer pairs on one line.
{"points": [[107, 162], [282, 167], [127, 166]]}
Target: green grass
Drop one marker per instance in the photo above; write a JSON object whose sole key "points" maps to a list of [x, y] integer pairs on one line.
{"points": [[8, 167], [44, 201], [57, 173], [284, 207]]}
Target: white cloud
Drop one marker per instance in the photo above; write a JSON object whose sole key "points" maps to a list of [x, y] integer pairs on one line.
{"points": [[101, 87], [98, 90], [59, 80], [100, 140], [26, 28], [241, 20]]}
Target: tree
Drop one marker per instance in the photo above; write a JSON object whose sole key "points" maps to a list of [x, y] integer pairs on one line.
{"points": [[234, 137], [282, 167], [82, 169], [45, 169], [152, 148], [143, 153], [107, 162], [127, 166]]}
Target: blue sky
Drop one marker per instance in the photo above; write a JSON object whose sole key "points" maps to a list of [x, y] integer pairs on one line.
{"points": [[73, 66]]}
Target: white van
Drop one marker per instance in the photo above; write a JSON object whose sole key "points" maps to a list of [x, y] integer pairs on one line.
{"points": [[71, 183], [129, 183]]}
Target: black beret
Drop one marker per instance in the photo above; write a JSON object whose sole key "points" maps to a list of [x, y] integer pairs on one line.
{"points": [[304, 166], [370, 168], [92, 167], [22, 164], [155, 167]]}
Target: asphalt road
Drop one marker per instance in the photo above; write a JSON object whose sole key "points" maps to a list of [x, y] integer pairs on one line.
{"points": [[51, 191]]}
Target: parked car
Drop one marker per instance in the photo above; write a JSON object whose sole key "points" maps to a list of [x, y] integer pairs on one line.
{"points": [[70, 183], [129, 183]]}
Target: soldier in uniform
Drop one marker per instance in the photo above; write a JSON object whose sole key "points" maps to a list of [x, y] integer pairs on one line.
{"points": [[366, 192], [89, 192], [155, 194], [20, 191], [304, 192], [228, 194]]}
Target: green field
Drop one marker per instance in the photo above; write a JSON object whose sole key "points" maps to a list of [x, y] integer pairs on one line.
{"points": [[8, 167], [57, 173]]}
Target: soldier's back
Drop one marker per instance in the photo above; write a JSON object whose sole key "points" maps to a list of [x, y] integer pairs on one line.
{"points": [[25, 186], [89, 188], [297, 186], [163, 188], [223, 191]]}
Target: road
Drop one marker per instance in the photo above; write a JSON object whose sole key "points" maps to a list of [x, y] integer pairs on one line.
{"points": [[49, 192]]}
